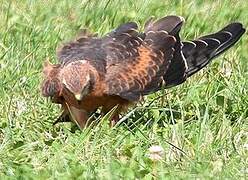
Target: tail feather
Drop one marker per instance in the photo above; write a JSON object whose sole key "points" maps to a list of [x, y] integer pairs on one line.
{"points": [[217, 43], [197, 53], [236, 30]]}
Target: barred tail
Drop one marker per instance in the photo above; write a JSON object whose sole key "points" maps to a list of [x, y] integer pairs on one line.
{"points": [[198, 53]]}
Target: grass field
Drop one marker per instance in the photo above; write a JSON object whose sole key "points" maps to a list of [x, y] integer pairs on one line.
{"points": [[202, 125]]}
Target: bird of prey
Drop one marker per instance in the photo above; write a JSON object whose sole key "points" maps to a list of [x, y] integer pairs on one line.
{"points": [[124, 65]]}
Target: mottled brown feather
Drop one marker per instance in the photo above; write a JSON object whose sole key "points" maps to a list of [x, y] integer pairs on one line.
{"points": [[142, 74]]}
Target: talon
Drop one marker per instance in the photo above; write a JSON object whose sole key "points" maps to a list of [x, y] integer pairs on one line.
{"points": [[114, 120], [62, 118]]}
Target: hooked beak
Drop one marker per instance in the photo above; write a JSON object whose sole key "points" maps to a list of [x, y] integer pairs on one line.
{"points": [[78, 97]]}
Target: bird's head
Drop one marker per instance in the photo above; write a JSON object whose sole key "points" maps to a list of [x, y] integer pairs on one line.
{"points": [[51, 85], [77, 78]]}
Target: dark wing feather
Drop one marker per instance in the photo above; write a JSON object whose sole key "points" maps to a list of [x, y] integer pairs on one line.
{"points": [[171, 24], [121, 44], [176, 72], [119, 32], [84, 48], [136, 65]]}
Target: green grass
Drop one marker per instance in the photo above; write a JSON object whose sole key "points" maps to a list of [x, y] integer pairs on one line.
{"points": [[206, 118]]}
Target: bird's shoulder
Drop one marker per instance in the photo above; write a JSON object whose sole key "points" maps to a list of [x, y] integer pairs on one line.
{"points": [[84, 47]]}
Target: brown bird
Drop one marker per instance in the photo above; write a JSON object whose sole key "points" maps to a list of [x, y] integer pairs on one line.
{"points": [[124, 65]]}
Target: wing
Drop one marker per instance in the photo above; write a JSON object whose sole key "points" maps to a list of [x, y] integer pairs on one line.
{"points": [[176, 72], [136, 62], [122, 43], [85, 47]]}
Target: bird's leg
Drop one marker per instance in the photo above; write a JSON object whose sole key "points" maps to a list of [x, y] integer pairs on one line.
{"points": [[73, 115], [114, 120], [79, 116], [115, 116], [64, 117]]}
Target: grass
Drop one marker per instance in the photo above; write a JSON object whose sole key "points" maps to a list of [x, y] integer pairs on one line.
{"points": [[205, 118]]}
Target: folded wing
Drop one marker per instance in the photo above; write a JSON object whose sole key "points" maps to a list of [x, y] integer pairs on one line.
{"points": [[137, 63]]}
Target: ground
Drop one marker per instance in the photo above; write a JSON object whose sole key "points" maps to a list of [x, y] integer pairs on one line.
{"points": [[201, 125]]}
